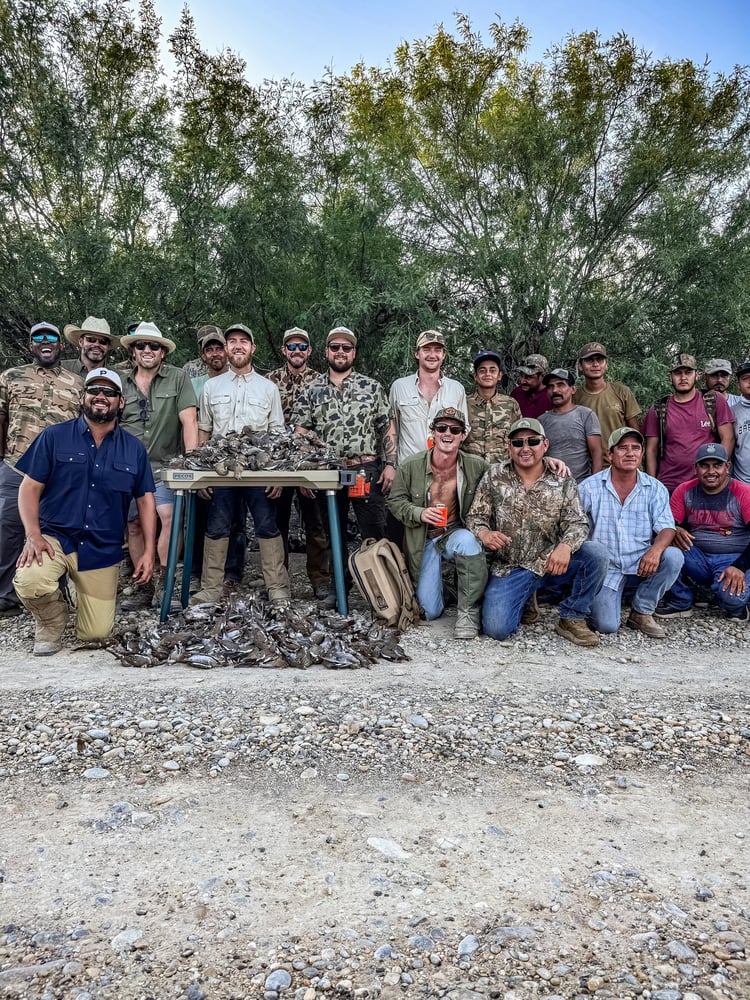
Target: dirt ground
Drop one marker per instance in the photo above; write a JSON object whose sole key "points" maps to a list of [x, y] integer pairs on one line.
{"points": [[485, 820]]}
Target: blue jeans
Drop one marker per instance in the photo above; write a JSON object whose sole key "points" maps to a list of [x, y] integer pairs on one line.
{"points": [[647, 592], [704, 568], [460, 542], [506, 596], [229, 503]]}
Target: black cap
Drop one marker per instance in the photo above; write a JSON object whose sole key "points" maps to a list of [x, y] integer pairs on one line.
{"points": [[487, 355], [562, 373]]}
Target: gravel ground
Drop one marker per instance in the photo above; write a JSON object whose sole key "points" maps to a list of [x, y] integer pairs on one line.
{"points": [[510, 820]]}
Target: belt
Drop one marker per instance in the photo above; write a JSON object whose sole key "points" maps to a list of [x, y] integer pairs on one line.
{"points": [[433, 533], [361, 460]]}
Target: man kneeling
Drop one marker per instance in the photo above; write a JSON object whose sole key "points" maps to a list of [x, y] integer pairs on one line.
{"points": [[631, 517], [430, 496], [534, 525]]}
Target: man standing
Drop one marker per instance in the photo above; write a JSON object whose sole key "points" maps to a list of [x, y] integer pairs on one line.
{"points": [[612, 402], [677, 425], [213, 356], [79, 479], [416, 399], [291, 380], [530, 394], [741, 412], [237, 399], [32, 397], [93, 341], [717, 374], [630, 516], [534, 525], [712, 512], [350, 412], [445, 476], [491, 412], [573, 431], [160, 411]]}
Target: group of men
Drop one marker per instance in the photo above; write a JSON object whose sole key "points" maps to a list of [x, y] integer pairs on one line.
{"points": [[539, 488]]}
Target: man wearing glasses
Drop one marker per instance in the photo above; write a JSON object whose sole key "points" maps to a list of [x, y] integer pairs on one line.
{"points": [[93, 341], [160, 410], [536, 529], [291, 380], [80, 477], [32, 397], [350, 412], [431, 495]]}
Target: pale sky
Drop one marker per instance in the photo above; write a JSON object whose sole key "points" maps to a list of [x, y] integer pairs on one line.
{"points": [[299, 39]]}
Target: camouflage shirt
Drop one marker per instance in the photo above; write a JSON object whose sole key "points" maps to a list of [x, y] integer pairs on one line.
{"points": [[490, 421], [536, 520], [195, 368], [32, 398], [353, 419], [291, 386]]}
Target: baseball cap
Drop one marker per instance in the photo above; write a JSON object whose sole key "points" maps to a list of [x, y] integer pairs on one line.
{"points": [[743, 367], [712, 450], [341, 331], [683, 361], [296, 333], [534, 364], [714, 365], [449, 413], [38, 327], [589, 350], [617, 435], [527, 424], [430, 337], [487, 355], [564, 373], [104, 375], [242, 329], [210, 334]]}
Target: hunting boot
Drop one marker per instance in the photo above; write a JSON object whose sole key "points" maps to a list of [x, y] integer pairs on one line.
{"points": [[274, 571], [212, 577], [51, 616], [471, 577]]}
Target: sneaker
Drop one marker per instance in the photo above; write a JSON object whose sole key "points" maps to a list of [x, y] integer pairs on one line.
{"points": [[646, 624], [577, 631], [667, 610], [739, 614]]}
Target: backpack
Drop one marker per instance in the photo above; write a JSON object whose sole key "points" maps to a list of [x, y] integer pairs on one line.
{"points": [[380, 574], [709, 402]]}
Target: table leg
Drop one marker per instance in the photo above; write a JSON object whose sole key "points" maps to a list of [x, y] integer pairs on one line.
{"points": [[187, 555], [174, 544], [336, 554]]}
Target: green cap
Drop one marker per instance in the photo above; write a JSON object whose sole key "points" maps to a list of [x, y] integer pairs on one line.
{"points": [[527, 424], [619, 433]]}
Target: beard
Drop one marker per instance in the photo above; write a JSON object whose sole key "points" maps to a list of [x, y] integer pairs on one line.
{"points": [[99, 416]]}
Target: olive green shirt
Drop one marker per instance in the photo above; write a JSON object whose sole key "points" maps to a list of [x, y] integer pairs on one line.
{"points": [[155, 419]]}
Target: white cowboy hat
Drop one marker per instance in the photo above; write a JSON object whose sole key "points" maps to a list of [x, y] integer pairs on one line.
{"points": [[98, 327], [148, 331]]}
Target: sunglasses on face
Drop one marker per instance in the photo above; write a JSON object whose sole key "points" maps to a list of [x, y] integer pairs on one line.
{"points": [[298, 347], [102, 390], [87, 339], [444, 428], [40, 338], [346, 348], [147, 345], [522, 442]]}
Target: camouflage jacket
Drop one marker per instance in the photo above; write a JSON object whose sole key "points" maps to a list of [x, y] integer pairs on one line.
{"points": [[195, 368], [490, 421], [291, 387], [353, 419], [32, 398], [536, 520]]}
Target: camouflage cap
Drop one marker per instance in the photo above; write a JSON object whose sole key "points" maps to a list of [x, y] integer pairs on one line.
{"points": [[534, 364], [449, 413], [683, 361], [527, 424], [714, 365], [591, 350], [617, 435], [210, 334]]}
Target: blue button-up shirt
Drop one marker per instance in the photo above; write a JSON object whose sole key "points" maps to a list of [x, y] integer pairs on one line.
{"points": [[87, 490], [626, 529]]}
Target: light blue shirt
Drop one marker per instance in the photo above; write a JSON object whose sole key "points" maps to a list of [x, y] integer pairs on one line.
{"points": [[741, 457], [626, 529]]}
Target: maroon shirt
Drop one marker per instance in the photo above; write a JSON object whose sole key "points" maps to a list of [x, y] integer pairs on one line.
{"points": [[533, 405]]}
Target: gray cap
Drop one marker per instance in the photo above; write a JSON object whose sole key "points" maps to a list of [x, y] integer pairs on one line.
{"points": [[714, 365], [716, 451]]}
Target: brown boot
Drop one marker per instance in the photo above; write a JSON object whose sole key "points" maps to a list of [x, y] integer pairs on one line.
{"points": [[212, 578], [274, 571], [51, 616], [531, 612], [577, 631], [646, 624]]}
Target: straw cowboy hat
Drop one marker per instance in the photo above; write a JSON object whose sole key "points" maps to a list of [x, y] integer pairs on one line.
{"points": [[148, 331], [97, 327]]}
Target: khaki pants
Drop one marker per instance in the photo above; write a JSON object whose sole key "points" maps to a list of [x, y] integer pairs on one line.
{"points": [[96, 589]]}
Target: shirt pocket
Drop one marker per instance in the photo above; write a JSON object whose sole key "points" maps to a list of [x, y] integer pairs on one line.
{"points": [[122, 477], [70, 458]]}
